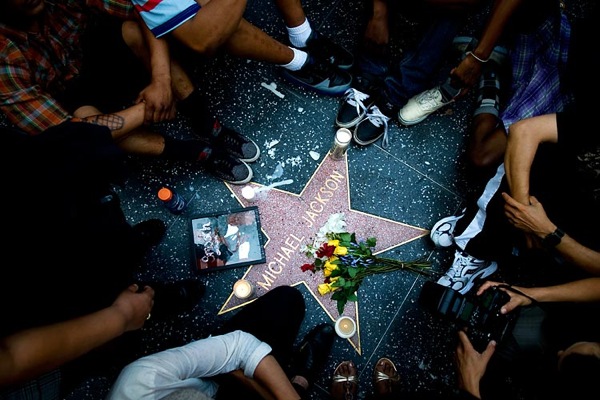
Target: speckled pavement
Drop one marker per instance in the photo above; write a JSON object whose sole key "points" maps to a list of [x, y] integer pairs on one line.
{"points": [[419, 179]]}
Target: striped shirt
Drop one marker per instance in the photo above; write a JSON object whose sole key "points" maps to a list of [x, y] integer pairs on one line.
{"points": [[162, 16]]}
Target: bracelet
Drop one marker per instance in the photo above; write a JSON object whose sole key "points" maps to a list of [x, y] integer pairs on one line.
{"points": [[470, 53]]}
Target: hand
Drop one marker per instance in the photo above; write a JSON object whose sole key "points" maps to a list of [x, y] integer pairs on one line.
{"points": [[531, 219], [471, 365], [158, 100], [516, 300], [466, 74], [135, 306]]}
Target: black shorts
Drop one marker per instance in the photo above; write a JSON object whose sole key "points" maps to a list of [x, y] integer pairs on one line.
{"points": [[112, 76]]}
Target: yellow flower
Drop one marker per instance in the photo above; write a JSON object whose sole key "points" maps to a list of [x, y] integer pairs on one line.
{"points": [[334, 243], [324, 288], [340, 251], [329, 264]]}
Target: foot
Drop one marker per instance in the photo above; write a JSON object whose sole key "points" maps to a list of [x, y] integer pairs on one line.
{"points": [[442, 233], [322, 48], [225, 166], [320, 76], [309, 359], [150, 232], [465, 270], [171, 299], [385, 378], [344, 384], [371, 128], [422, 105], [353, 109], [232, 142]]}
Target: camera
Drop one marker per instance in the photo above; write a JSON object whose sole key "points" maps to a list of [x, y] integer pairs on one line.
{"points": [[479, 315]]}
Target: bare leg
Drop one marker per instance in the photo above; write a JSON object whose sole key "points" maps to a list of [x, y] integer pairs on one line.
{"points": [[487, 143], [292, 12], [126, 129]]}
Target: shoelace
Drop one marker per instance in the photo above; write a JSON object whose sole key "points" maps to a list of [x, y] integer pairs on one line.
{"points": [[430, 99], [356, 98], [460, 262], [377, 118]]}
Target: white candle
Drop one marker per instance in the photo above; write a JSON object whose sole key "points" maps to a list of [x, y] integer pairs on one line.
{"points": [[345, 327], [242, 289], [248, 193]]}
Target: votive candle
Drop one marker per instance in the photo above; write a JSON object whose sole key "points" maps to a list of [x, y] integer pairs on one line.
{"points": [[243, 289], [345, 327]]}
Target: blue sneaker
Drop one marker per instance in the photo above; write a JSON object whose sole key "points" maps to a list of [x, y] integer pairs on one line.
{"points": [[320, 76]]}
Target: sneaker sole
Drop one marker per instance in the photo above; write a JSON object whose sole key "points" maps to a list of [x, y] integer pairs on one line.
{"points": [[421, 119], [484, 273], [440, 223], [334, 92], [363, 143], [352, 123]]}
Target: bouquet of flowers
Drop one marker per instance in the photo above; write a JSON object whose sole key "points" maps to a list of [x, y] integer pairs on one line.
{"points": [[346, 262]]}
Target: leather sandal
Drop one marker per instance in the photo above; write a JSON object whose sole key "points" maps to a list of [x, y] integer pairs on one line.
{"points": [[344, 384], [385, 377]]}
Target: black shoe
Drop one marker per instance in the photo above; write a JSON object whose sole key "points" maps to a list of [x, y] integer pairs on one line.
{"points": [[225, 166], [310, 358], [372, 127], [150, 232], [324, 49], [171, 299], [320, 76], [226, 139], [353, 109]]}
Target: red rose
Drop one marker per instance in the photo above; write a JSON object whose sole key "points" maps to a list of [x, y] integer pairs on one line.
{"points": [[308, 267], [325, 251]]}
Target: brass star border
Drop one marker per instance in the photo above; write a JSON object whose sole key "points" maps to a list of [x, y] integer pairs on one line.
{"points": [[289, 221]]}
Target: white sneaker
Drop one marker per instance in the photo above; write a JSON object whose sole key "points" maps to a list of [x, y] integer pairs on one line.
{"points": [[465, 269], [442, 233], [420, 106]]}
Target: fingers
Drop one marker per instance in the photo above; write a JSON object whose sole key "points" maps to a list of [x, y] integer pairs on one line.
{"points": [[489, 350], [485, 286]]}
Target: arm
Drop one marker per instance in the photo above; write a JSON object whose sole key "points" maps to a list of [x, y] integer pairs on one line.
{"points": [[471, 365], [469, 69], [158, 95], [523, 140], [532, 220], [27, 354], [580, 291]]}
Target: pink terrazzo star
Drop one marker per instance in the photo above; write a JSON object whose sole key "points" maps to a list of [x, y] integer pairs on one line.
{"points": [[290, 221]]}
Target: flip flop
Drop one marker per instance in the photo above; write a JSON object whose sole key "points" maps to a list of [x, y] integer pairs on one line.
{"points": [[344, 384], [385, 377]]}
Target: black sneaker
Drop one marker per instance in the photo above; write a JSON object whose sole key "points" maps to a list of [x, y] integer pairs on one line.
{"points": [[311, 356], [225, 166], [372, 127], [353, 109], [322, 48], [320, 76], [239, 146]]}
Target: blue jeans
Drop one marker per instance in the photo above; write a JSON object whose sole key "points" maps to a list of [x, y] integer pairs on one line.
{"points": [[418, 68]]}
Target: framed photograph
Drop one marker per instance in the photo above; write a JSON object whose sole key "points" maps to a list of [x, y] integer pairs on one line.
{"points": [[228, 239]]}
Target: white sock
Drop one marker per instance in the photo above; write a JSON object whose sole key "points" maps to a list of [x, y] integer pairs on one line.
{"points": [[299, 34], [298, 61]]}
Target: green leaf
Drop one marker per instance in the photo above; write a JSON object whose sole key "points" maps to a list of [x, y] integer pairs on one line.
{"points": [[352, 297], [340, 306], [352, 272], [345, 237], [371, 242]]}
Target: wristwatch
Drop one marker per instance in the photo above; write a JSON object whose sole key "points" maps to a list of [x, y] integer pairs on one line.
{"points": [[553, 239]]}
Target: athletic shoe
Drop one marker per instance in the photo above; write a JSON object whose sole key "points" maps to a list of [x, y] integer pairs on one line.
{"points": [[371, 128], [353, 109], [442, 233], [465, 269], [466, 43], [422, 105], [322, 48], [239, 146], [225, 166], [320, 76]]}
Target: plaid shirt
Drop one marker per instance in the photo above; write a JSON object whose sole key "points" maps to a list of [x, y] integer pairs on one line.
{"points": [[36, 66]]}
